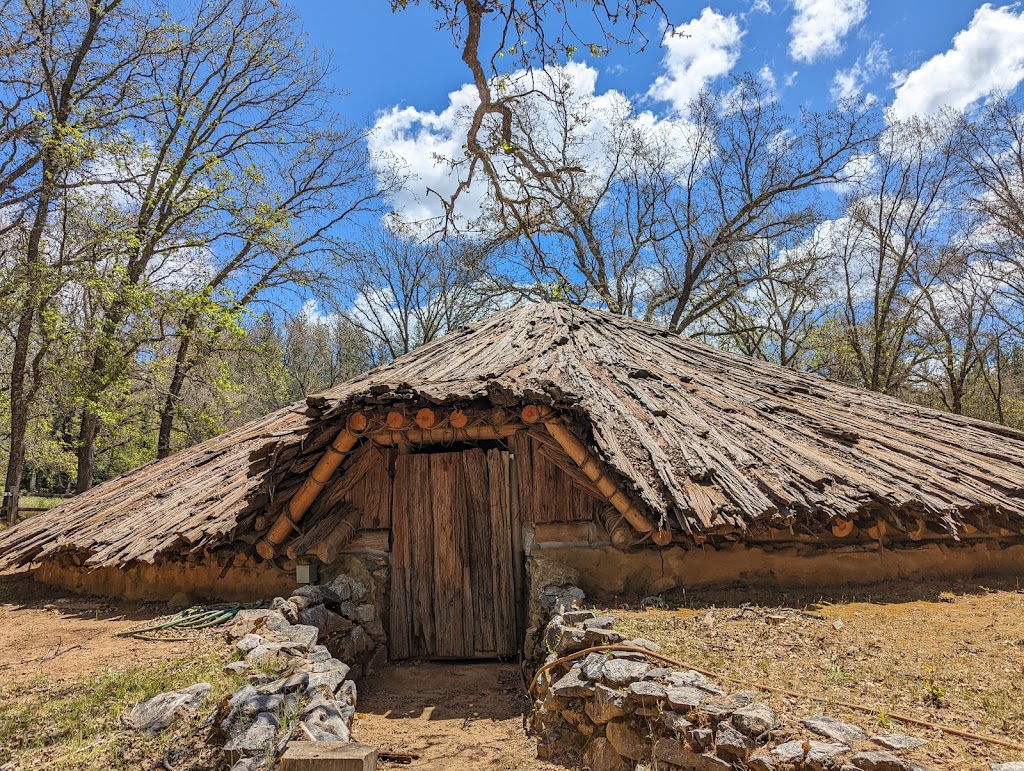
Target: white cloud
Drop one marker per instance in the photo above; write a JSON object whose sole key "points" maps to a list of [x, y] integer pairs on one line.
{"points": [[761, 6], [696, 54], [819, 26], [850, 83], [985, 57]]}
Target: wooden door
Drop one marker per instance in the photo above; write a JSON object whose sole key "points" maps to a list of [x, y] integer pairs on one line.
{"points": [[452, 587]]}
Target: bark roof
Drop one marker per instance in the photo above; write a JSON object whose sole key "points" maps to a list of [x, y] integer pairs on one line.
{"points": [[707, 441]]}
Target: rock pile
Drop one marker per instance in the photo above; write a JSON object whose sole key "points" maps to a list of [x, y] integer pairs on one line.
{"points": [[301, 655], [621, 710]]}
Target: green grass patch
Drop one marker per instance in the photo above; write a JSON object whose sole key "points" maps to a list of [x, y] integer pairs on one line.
{"points": [[77, 725]]}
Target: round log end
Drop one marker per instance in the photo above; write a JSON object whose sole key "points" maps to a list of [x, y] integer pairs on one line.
{"points": [[458, 419], [265, 549], [358, 421], [426, 418], [662, 537], [968, 529], [918, 532], [621, 538], [497, 416], [535, 413], [842, 527], [877, 530]]}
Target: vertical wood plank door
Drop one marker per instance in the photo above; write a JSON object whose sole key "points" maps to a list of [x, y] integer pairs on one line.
{"points": [[452, 579]]}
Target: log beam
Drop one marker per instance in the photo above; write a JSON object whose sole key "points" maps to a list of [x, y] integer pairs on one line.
{"points": [[445, 435], [594, 471], [299, 503]]}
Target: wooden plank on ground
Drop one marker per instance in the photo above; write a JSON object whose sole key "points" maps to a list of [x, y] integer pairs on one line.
{"points": [[329, 756]]}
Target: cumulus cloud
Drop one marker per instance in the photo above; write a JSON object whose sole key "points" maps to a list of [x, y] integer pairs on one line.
{"points": [[851, 82], [696, 54], [985, 57], [819, 26]]}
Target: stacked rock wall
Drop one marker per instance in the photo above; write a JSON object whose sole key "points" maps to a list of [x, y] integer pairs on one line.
{"points": [[617, 710]]}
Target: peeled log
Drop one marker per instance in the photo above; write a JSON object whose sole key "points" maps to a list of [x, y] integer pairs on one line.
{"points": [[397, 420], [620, 534], [918, 532], [458, 419], [328, 549], [662, 537]]}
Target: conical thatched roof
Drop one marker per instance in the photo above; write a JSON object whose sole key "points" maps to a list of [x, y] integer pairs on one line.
{"points": [[706, 441]]}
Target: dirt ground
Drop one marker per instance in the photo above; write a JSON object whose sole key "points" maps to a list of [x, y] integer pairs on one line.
{"points": [[49, 633], [466, 716]]}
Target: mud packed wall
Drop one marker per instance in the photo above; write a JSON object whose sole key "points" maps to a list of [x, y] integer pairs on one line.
{"points": [[604, 569]]}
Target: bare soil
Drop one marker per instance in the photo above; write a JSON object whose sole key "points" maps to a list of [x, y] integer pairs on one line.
{"points": [[466, 716], [946, 653], [49, 633]]}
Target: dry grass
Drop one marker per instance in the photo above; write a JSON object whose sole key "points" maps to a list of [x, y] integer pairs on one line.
{"points": [[951, 655], [76, 724]]}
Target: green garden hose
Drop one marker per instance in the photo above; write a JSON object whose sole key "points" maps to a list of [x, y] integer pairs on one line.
{"points": [[196, 617]]}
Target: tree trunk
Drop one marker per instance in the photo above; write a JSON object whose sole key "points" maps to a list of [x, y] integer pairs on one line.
{"points": [[87, 449], [170, 407]]}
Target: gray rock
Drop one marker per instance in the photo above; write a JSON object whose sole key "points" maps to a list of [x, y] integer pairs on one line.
{"points": [[700, 738], [301, 637], [376, 630], [899, 742], [248, 642], [295, 682], [645, 693], [1015, 765], [310, 592], [653, 602], [247, 701], [599, 622], [606, 705], [317, 734], [658, 673], [754, 719], [626, 740], [685, 697], [328, 665], [647, 645], [366, 613], [286, 609], [577, 617], [348, 588], [268, 654], [315, 616], [878, 760], [252, 764], [595, 637], [336, 624], [326, 683], [573, 684], [331, 717], [600, 755], [833, 729], [154, 715], [694, 679], [760, 762], [820, 755], [259, 621], [237, 667], [619, 672], [717, 708], [593, 665], [675, 722], [731, 743], [743, 698], [257, 738], [346, 694], [377, 661]]}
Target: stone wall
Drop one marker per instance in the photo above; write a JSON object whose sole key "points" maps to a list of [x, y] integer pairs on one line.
{"points": [[617, 710]]}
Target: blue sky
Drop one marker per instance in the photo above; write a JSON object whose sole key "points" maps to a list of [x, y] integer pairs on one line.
{"points": [[385, 59], [914, 56]]}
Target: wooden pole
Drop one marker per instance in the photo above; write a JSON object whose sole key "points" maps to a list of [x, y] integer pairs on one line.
{"points": [[445, 435], [576, 450], [335, 453], [620, 534]]}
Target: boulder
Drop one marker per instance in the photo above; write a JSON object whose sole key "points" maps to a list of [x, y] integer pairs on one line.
{"points": [[259, 621], [154, 715], [833, 729], [598, 622], [754, 719], [675, 722], [693, 679], [899, 742], [296, 682], [301, 637], [819, 755], [310, 592], [731, 743], [577, 617], [645, 693], [1015, 765], [878, 760], [760, 762], [685, 698], [256, 738], [573, 684], [600, 755], [332, 717], [326, 683], [286, 609], [248, 642], [700, 738], [606, 705], [626, 740], [315, 616], [237, 667], [336, 624], [620, 672]]}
